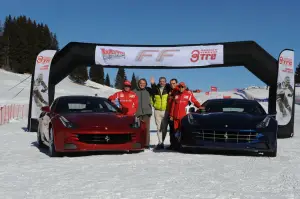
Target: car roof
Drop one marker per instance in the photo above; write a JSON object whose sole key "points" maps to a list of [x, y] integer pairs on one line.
{"points": [[81, 96], [231, 100]]}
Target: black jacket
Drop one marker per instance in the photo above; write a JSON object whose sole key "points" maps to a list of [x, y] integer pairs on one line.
{"points": [[156, 91]]}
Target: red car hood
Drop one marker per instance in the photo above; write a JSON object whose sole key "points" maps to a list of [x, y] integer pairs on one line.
{"points": [[100, 121]]}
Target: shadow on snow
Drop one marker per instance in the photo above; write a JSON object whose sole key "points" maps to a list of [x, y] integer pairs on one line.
{"points": [[79, 154]]}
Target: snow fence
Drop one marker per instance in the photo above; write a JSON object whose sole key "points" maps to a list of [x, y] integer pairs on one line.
{"points": [[297, 95], [12, 111]]}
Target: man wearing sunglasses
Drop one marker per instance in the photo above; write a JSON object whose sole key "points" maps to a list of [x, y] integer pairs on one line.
{"points": [[173, 91]]}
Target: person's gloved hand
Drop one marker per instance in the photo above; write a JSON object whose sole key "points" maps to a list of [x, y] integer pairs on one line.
{"points": [[43, 90], [201, 109], [290, 95], [125, 110]]}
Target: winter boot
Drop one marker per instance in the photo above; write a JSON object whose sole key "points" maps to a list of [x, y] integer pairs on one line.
{"points": [[159, 146]]}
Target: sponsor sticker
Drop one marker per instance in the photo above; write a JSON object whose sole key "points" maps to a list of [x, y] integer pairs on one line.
{"points": [[110, 54]]}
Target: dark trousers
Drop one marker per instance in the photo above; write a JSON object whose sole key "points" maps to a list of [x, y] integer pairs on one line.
{"points": [[173, 140], [146, 119]]}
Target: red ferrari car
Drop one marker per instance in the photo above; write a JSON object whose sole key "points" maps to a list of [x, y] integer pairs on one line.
{"points": [[86, 123]]}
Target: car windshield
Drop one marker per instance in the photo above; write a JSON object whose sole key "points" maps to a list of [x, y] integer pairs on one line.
{"points": [[234, 106], [85, 105]]}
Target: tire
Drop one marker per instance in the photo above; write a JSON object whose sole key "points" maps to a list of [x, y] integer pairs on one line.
{"points": [[135, 151], [52, 152], [271, 154], [184, 149], [39, 139]]}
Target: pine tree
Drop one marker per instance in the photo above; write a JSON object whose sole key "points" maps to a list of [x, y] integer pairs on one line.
{"points": [[8, 29], [120, 78], [133, 82], [54, 42], [79, 74], [137, 78], [107, 80], [97, 74], [2, 45], [23, 39], [297, 74]]}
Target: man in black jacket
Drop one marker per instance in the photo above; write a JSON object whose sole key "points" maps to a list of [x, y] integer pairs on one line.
{"points": [[144, 110], [172, 93]]}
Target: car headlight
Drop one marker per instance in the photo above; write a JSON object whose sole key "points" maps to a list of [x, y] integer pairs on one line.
{"points": [[137, 123], [191, 119], [66, 122], [264, 123]]}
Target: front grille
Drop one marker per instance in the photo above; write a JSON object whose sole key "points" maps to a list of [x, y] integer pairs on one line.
{"points": [[105, 138], [231, 136]]}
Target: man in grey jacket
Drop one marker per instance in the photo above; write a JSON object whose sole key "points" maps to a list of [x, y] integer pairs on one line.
{"points": [[144, 110]]}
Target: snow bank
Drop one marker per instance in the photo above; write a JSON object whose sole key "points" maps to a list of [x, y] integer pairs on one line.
{"points": [[254, 93], [27, 172], [20, 93], [297, 97]]}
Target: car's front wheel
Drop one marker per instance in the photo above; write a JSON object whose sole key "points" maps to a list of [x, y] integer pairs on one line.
{"points": [[272, 153], [52, 151]]}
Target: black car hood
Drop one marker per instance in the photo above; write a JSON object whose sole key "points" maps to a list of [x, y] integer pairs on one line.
{"points": [[230, 120]]}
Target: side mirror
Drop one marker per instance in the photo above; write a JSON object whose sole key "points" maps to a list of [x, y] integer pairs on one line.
{"points": [[192, 109], [45, 109]]}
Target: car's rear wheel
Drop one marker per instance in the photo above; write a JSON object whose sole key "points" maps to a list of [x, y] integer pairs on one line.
{"points": [[52, 151]]}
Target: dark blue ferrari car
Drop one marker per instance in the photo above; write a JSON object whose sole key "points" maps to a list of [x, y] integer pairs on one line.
{"points": [[230, 124]]}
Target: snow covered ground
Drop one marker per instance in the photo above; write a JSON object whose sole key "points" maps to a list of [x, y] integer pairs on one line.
{"points": [[27, 172]]}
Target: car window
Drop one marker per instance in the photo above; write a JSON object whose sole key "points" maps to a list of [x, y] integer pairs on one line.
{"points": [[83, 105], [234, 106], [76, 106], [52, 107], [109, 106]]}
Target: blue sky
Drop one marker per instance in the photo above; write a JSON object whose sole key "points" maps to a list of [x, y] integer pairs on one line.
{"points": [[272, 24]]}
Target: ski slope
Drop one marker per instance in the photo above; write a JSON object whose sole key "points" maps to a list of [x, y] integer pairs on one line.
{"points": [[27, 172], [20, 93]]}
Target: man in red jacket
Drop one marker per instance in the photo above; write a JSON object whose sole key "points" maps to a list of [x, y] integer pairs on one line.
{"points": [[128, 99], [172, 93], [181, 100]]}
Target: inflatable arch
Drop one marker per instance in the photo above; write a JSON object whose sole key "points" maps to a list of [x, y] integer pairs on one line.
{"points": [[52, 67]]}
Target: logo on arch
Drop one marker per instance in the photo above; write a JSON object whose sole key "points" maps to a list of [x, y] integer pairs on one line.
{"points": [[286, 61], [204, 54], [110, 54]]}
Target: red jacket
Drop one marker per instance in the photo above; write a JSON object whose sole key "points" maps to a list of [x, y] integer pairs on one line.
{"points": [[128, 101], [171, 96], [181, 100]]}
